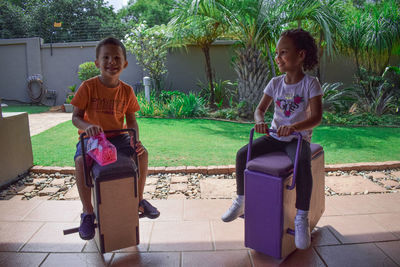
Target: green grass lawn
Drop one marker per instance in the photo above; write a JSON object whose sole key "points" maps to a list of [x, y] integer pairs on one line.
{"points": [[26, 108], [200, 142]]}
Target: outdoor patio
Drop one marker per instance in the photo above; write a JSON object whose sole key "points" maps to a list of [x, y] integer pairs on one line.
{"points": [[360, 230]]}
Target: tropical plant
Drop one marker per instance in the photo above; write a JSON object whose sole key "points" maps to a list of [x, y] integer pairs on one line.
{"points": [[199, 22], [149, 45], [70, 95], [336, 99], [225, 92], [370, 34], [256, 25], [87, 70]]}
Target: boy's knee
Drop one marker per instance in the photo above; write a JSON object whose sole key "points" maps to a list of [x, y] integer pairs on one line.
{"points": [[79, 163]]}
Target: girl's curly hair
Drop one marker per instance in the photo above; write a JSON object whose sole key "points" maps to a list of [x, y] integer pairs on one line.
{"points": [[303, 40]]}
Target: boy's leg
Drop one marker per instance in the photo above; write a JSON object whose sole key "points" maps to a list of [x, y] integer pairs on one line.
{"points": [[84, 191], [303, 193], [143, 167], [86, 228]]}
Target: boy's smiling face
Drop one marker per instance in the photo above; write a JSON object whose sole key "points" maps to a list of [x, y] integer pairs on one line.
{"points": [[111, 61]]}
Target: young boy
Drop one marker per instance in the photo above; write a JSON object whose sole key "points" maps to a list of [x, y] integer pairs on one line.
{"points": [[102, 103]]}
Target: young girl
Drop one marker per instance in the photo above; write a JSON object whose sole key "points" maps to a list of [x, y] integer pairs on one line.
{"points": [[298, 107]]}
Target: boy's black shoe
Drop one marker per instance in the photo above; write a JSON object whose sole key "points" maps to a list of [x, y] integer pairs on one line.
{"points": [[87, 229], [149, 211]]}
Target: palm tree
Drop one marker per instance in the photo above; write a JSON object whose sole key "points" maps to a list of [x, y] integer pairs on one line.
{"points": [[199, 22], [257, 25]]}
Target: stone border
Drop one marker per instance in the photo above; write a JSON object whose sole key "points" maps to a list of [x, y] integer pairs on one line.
{"points": [[229, 169]]}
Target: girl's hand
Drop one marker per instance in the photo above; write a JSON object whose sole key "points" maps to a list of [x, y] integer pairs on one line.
{"points": [[139, 147], [285, 130], [93, 130], [261, 127]]}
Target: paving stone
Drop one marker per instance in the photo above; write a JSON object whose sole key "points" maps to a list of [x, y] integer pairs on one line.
{"points": [[72, 193], [176, 196], [347, 184], [57, 182], [150, 188], [395, 174], [191, 169], [218, 188], [390, 183], [48, 191], [179, 179], [377, 175], [213, 170], [26, 190], [151, 181], [178, 187]]}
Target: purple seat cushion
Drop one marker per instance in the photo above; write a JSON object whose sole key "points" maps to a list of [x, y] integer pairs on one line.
{"points": [[277, 163]]}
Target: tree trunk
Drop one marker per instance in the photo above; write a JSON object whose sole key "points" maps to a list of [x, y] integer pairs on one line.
{"points": [[206, 51], [253, 75]]}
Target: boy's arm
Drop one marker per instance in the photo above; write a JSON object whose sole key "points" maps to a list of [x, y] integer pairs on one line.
{"points": [[132, 123], [313, 121], [80, 123]]}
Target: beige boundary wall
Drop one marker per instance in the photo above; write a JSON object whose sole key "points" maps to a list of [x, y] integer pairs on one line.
{"points": [[16, 156]]}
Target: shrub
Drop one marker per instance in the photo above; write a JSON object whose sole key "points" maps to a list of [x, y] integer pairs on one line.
{"points": [[87, 70]]}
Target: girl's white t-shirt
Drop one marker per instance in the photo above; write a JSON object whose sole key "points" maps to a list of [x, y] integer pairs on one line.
{"points": [[292, 102]]}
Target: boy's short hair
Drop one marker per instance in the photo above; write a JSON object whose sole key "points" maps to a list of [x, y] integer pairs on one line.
{"points": [[110, 41], [303, 40]]}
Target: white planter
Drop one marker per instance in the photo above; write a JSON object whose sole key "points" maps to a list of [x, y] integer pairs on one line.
{"points": [[68, 108]]}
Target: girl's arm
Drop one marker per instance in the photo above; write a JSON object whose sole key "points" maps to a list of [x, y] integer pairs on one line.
{"points": [[132, 123], [261, 126], [313, 121]]}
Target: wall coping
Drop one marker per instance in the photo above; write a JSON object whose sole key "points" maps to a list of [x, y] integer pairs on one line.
{"points": [[229, 169]]}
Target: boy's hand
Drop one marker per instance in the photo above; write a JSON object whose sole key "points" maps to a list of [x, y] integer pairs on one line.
{"points": [[261, 127], [93, 130], [139, 147], [285, 130]]}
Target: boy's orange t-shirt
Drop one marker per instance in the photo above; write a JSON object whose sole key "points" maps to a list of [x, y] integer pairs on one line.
{"points": [[105, 106]]}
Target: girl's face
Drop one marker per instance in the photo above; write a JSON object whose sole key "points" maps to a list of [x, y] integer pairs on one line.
{"points": [[287, 57]]}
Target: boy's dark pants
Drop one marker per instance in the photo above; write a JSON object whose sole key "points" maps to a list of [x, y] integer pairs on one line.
{"points": [[267, 144]]}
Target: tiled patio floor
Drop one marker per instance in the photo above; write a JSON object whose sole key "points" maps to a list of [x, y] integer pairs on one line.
{"points": [[354, 231]]}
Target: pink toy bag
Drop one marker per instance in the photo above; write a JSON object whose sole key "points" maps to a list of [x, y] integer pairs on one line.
{"points": [[101, 150]]}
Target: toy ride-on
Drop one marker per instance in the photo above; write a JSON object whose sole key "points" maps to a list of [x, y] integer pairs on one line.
{"points": [[115, 199]]}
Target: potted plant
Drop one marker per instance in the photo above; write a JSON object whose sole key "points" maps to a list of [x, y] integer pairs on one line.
{"points": [[68, 106]]}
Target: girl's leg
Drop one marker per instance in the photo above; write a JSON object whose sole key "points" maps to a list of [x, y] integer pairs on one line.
{"points": [[260, 146], [303, 193], [304, 175]]}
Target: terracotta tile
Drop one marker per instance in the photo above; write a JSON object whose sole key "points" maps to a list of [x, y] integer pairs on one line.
{"points": [[154, 259], [330, 206], [205, 209], [359, 204], [13, 235], [390, 221], [50, 238], [321, 236], [16, 210], [392, 249], [55, 210], [21, 259], [362, 255], [228, 235], [236, 258], [181, 236], [77, 259], [145, 229], [170, 210], [356, 229], [388, 202], [298, 258]]}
